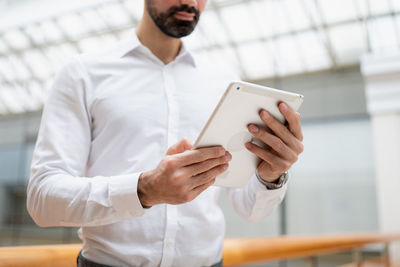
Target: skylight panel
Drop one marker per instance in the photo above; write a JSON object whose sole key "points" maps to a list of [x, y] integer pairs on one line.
{"points": [[221, 2], [22, 95], [382, 34], [90, 44], [92, 20], [37, 93], [395, 5], [53, 54], [271, 18], [222, 57], [51, 31], [225, 57], [3, 66], [348, 42], [58, 55], [361, 7], [10, 100], [133, 7], [279, 17], [397, 23], [312, 11], [35, 34], [114, 15], [19, 67], [196, 40], [296, 16], [108, 40], [338, 10], [239, 22], [16, 39], [7, 70], [288, 56], [73, 26], [257, 60], [259, 39], [219, 56], [38, 64], [67, 50], [3, 47], [379, 6], [46, 87], [263, 18], [229, 57], [315, 53], [125, 33], [211, 25]]}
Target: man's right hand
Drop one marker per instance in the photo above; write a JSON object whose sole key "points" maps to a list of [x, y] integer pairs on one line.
{"points": [[182, 174]]}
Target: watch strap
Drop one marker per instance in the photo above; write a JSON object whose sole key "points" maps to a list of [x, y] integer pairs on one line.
{"points": [[282, 179]]}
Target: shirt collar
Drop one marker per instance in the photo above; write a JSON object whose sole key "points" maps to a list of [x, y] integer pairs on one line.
{"points": [[132, 43]]}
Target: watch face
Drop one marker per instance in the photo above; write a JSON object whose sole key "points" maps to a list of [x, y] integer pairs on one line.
{"points": [[284, 178], [277, 184], [281, 181]]}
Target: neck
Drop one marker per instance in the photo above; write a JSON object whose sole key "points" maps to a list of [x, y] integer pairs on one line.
{"points": [[161, 45]]}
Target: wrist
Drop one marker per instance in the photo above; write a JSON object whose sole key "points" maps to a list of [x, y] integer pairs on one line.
{"points": [[275, 184], [143, 192], [272, 178]]}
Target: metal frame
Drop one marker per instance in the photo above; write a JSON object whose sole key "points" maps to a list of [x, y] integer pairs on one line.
{"points": [[321, 29]]}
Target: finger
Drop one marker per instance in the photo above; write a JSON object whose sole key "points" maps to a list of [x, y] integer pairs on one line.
{"points": [[198, 168], [281, 131], [207, 176], [273, 160], [183, 145], [198, 155], [293, 119], [199, 189], [273, 141]]}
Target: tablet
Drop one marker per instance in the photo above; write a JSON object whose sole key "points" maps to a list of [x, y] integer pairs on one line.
{"points": [[227, 126]]}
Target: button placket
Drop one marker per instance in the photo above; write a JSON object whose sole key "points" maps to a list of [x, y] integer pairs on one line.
{"points": [[172, 137]]}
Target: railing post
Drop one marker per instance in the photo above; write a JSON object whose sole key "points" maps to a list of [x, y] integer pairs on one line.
{"points": [[357, 257], [312, 262], [386, 255]]}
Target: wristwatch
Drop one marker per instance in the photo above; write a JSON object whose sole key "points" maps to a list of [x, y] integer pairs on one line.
{"points": [[275, 185]]}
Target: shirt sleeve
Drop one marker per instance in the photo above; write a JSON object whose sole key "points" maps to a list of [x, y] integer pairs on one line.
{"points": [[255, 201], [58, 194]]}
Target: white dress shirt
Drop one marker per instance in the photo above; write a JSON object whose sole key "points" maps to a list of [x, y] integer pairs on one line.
{"points": [[111, 116]]}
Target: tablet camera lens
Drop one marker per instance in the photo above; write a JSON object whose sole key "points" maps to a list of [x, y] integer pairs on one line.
{"points": [[238, 88]]}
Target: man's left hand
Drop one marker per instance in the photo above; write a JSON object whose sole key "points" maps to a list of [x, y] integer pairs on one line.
{"points": [[283, 145]]}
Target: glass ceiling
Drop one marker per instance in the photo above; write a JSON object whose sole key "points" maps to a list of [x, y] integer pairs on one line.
{"points": [[257, 38]]}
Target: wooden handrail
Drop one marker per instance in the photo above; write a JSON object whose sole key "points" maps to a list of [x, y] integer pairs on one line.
{"points": [[253, 250], [237, 251], [35, 256]]}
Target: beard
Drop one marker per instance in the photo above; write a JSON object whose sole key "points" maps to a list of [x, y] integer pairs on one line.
{"points": [[170, 25]]}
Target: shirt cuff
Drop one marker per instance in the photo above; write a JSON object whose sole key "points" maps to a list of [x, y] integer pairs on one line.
{"points": [[256, 186], [263, 200], [123, 195]]}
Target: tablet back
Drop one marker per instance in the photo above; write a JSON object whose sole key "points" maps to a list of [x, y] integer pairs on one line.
{"points": [[227, 126]]}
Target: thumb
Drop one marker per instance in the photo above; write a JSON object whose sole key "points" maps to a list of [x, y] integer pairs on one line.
{"points": [[183, 145]]}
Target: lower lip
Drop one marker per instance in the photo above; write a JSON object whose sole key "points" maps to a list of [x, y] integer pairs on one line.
{"points": [[184, 17]]}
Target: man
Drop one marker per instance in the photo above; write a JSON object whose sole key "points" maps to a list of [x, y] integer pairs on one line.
{"points": [[108, 157]]}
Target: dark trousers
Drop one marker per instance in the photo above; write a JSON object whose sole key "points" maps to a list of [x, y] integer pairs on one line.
{"points": [[83, 262]]}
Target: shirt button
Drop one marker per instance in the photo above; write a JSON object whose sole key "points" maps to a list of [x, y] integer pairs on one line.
{"points": [[170, 243]]}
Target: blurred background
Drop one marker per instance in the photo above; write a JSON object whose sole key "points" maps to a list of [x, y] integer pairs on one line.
{"points": [[342, 55]]}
